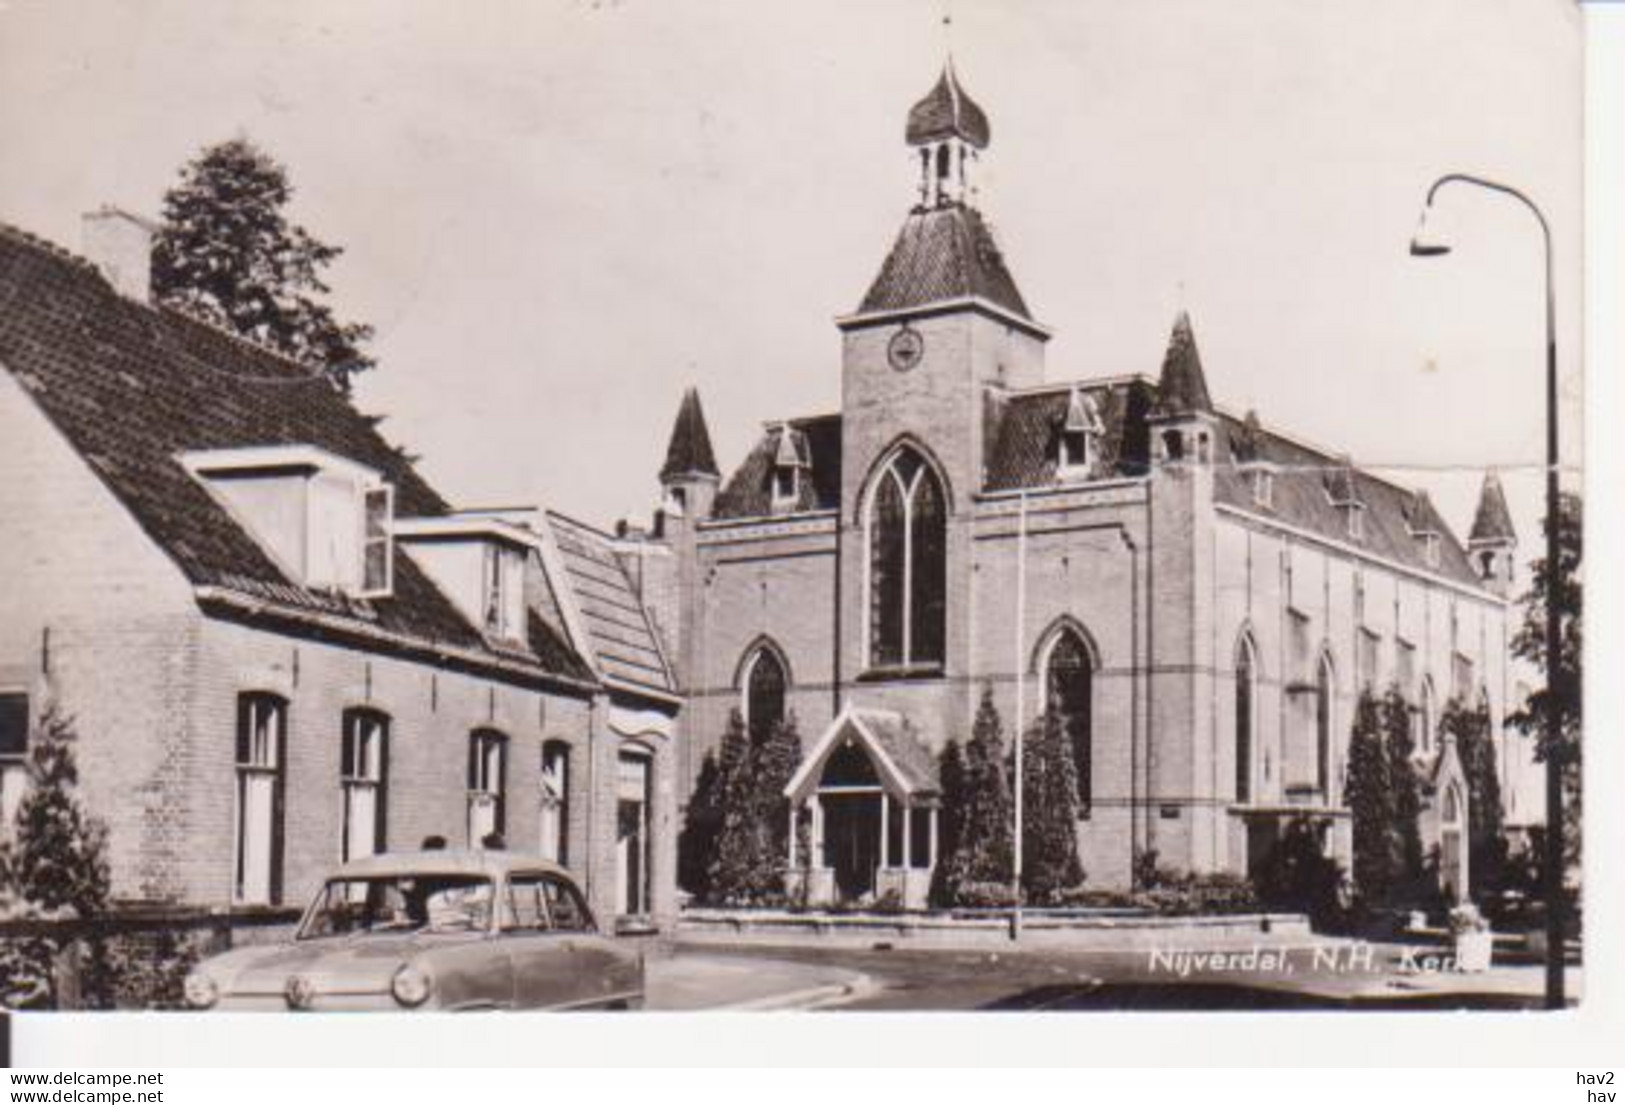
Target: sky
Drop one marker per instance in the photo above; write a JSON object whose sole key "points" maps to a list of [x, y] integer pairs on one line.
{"points": [[558, 214]]}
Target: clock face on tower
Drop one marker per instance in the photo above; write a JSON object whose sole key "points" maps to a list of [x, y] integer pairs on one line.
{"points": [[905, 349]]}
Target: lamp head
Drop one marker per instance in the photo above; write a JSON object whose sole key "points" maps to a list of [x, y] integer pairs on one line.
{"points": [[1427, 241]]}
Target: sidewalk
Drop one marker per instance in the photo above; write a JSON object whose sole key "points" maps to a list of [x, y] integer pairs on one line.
{"points": [[690, 981]]}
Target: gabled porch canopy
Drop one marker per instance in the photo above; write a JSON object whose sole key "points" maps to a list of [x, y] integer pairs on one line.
{"points": [[906, 769]]}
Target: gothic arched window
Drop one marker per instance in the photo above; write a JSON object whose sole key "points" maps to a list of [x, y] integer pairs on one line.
{"points": [[1425, 717], [765, 683], [1323, 728], [908, 564], [1246, 685], [1069, 692]]}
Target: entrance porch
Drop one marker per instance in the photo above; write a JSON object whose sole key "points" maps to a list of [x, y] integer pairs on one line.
{"points": [[863, 815]]}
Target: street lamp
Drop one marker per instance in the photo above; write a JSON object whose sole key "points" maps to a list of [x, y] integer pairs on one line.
{"points": [[1428, 243]]}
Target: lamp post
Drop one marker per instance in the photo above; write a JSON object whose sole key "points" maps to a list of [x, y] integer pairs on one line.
{"points": [[1427, 243]]}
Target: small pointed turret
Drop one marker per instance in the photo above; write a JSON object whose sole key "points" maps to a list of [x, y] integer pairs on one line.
{"points": [[1182, 388], [689, 453], [1493, 543], [689, 477]]}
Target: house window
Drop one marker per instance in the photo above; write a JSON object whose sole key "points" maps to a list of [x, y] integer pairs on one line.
{"points": [[502, 601], [1246, 687], [1070, 694], [14, 727], [1356, 522], [765, 683], [1370, 644], [487, 786], [632, 838], [363, 775], [908, 561], [377, 561], [555, 809], [262, 732], [1323, 728]]}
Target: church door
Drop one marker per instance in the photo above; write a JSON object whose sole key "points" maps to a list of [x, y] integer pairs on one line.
{"points": [[852, 841]]}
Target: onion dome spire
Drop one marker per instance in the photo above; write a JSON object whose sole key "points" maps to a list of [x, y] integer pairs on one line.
{"points": [[950, 131]]}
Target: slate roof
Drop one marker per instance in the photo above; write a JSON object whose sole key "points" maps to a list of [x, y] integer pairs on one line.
{"points": [[619, 634], [947, 112], [903, 747], [748, 493], [887, 735], [1182, 386], [1024, 430], [689, 452], [132, 386], [1492, 522], [1393, 518], [941, 254]]}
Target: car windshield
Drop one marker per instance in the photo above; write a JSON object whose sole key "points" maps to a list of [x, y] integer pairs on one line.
{"points": [[400, 903]]}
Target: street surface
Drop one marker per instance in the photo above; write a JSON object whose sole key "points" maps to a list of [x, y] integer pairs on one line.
{"points": [[1314, 973]]}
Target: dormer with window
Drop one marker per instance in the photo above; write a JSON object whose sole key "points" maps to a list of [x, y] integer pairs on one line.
{"points": [[791, 464], [1342, 493], [1422, 523], [478, 561], [1260, 478], [1078, 444], [327, 521]]}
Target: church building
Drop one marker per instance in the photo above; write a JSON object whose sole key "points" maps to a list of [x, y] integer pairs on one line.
{"points": [[1200, 596]]}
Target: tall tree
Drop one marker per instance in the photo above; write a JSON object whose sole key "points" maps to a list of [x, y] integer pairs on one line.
{"points": [[1369, 795], [226, 253], [1405, 786], [983, 854], [1469, 724], [777, 758], [702, 825], [54, 867], [728, 877], [1563, 580], [1049, 795], [950, 814]]}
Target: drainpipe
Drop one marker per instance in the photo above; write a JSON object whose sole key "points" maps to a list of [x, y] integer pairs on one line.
{"points": [[1021, 704]]}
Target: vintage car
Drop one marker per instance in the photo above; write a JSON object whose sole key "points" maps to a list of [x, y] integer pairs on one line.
{"points": [[441, 930]]}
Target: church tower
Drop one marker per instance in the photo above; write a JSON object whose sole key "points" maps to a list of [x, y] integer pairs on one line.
{"points": [[941, 331]]}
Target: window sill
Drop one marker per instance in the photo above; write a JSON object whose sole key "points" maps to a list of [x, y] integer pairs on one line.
{"points": [[901, 673]]}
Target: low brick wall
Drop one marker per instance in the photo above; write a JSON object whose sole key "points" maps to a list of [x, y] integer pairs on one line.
{"points": [[1125, 928]]}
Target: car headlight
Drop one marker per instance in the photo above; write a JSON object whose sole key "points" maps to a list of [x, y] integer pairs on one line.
{"points": [[201, 990], [410, 986]]}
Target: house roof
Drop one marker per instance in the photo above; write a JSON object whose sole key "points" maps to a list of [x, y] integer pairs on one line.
{"points": [[944, 253], [1492, 522], [748, 493], [689, 451], [620, 638], [132, 387], [947, 112]]}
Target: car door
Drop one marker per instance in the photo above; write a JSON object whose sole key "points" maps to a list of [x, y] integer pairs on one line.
{"points": [[559, 959]]}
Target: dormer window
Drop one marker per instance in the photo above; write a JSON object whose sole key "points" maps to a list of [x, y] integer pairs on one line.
{"points": [[377, 544], [1430, 549], [1356, 521], [326, 521], [1079, 437], [1260, 479], [790, 457], [478, 561], [502, 591]]}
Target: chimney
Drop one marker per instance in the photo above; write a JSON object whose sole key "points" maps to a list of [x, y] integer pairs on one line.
{"points": [[120, 245]]}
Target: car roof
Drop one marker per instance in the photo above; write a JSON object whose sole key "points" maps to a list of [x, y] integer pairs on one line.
{"points": [[448, 861]]}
